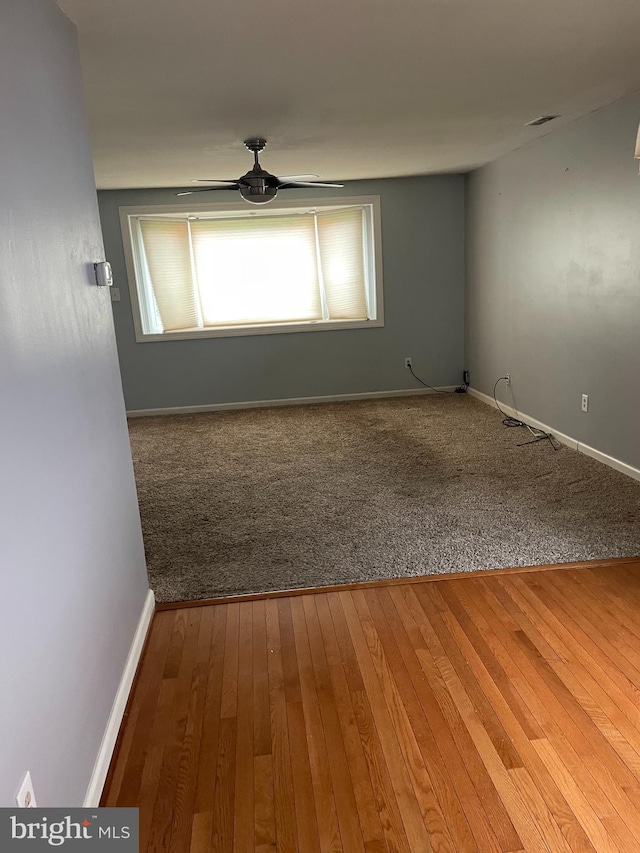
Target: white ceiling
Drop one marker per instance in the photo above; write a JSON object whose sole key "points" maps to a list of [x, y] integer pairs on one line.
{"points": [[342, 88]]}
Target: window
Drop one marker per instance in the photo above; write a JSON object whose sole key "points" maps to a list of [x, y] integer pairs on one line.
{"points": [[220, 270]]}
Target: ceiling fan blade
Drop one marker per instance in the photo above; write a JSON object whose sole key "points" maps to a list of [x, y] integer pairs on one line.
{"points": [[287, 178], [293, 184], [214, 180], [234, 186]]}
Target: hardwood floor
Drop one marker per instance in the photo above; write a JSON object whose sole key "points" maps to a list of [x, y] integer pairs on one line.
{"points": [[495, 713]]}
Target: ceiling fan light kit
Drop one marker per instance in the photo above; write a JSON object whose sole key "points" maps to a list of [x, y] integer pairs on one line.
{"points": [[258, 186]]}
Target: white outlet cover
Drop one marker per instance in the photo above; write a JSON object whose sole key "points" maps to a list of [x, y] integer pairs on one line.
{"points": [[25, 798]]}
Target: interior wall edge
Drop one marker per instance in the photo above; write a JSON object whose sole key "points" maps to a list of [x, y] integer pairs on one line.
{"points": [[110, 737]]}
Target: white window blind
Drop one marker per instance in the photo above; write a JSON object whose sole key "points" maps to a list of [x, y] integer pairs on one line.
{"points": [[340, 241], [243, 271], [168, 256], [257, 270]]}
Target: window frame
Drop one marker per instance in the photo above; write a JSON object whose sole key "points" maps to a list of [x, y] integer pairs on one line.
{"points": [[133, 261]]}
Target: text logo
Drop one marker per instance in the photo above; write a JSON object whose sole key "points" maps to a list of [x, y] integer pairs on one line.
{"points": [[70, 829]]}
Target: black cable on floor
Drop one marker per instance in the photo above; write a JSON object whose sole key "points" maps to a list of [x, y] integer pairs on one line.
{"points": [[426, 384], [509, 421]]}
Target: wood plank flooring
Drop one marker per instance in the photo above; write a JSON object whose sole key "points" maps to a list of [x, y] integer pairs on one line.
{"points": [[497, 713]]}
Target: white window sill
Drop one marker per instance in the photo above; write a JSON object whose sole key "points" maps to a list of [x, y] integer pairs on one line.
{"points": [[238, 331]]}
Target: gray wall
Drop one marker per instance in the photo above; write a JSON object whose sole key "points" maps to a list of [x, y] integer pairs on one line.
{"points": [[553, 279], [71, 557], [423, 245]]}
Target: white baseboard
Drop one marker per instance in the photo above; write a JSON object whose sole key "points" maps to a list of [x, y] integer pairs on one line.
{"points": [[611, 461], [286, 401], [101, 767]]}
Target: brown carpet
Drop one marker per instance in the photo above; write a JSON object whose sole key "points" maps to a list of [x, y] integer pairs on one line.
{"points": [[311, 495]]}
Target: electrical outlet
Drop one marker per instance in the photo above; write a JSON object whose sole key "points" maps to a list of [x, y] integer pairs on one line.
{"points": [[508, 378], [408, 363], [26, 798], [585, 402]]}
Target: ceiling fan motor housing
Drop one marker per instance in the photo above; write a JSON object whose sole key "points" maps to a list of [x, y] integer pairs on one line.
{"points": [[258, 193], [258, 186]]}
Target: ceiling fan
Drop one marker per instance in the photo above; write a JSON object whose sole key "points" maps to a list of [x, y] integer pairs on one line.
{"points": [[258, 186]]}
